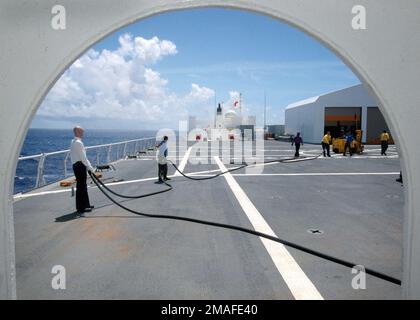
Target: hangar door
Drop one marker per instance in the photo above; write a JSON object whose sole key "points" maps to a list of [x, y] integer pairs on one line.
{"points": [[375, 125], [340, 120]]}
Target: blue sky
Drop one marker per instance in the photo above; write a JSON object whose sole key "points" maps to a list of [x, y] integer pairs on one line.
{"points": [[220, 51]]}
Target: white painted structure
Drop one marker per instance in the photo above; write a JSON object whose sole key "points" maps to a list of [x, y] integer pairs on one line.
{"points": [[232, 119], [385, 57], [224, 123], [308, 116]]}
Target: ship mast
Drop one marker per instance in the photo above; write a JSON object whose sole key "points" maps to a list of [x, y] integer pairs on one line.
{"points": [[215, 109]]}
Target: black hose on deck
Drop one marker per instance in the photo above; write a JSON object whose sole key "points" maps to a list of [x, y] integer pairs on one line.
{"points": [[287, 160], [132, 197], [253, 232]]}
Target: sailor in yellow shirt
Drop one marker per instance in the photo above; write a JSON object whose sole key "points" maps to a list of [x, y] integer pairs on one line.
{"points": [[384, 142], [326, 141]]}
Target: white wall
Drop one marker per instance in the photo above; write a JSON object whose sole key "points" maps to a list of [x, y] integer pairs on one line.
{"points": [[308, 120], [356, 96], [384, 56]]}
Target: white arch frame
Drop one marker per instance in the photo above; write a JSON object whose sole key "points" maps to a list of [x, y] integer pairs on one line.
{"points": [[384, 56]]}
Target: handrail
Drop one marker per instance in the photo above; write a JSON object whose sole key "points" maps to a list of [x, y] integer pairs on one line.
{"points": [[35, 156], [41, 158]]}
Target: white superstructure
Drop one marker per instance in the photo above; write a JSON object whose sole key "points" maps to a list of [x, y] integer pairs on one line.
{"points": [[347, 109]]}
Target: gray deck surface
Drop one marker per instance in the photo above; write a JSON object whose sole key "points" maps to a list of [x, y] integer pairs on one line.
{"points": [[113, 254]]}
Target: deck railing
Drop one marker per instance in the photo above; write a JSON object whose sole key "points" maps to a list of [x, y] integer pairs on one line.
{"points": [[98, 154]]}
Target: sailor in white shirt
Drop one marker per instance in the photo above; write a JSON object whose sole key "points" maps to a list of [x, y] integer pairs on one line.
{"points": [[162, 163], [81, 165]]}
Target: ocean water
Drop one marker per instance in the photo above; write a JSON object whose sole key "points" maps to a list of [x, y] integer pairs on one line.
{"points": [[48, 140]]}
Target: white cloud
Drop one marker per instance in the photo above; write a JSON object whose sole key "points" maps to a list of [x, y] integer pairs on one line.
{"points": [[121, 85], [199, 94]]}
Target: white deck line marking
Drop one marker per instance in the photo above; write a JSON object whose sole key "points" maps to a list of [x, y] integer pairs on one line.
{"points": [[183, 163], [207, 171], [42, 193], [306, 174], [203, 174], [299, 284], [317, 174], [20, 196]]}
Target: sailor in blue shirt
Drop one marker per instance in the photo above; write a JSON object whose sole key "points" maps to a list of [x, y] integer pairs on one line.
{"points": [[297, 141], [162, 162], [349, 139]]}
